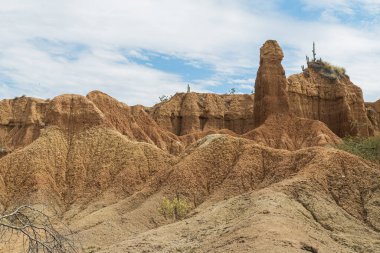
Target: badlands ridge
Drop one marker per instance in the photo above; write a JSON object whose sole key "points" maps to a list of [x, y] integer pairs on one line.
{"points": [[261, 171]]}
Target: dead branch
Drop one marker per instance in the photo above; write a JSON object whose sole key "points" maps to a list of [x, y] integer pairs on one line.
{"points": [[37, 231]]}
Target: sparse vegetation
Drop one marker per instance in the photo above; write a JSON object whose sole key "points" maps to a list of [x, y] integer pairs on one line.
{"points": [[367, 148], [164, 98], [325, 68], [332, 72], [175, 208], [232, 91]]}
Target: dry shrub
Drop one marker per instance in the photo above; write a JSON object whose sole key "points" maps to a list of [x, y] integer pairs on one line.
{"points": [[175, 208]]}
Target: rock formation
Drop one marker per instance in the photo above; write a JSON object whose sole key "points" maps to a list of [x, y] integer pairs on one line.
{"points": [[187, 113], [337, 102], [21, 120], [292, 133], [104, 167], [373, 113], [270, 86], [276, 127], [134, 122]]}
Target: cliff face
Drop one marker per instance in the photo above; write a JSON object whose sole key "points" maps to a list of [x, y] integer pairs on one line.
{"points": [[276, 127], [270, 89], [187, 113], [292, 133], [373, 113], [337, 102], [134, 122], [21, 120]]}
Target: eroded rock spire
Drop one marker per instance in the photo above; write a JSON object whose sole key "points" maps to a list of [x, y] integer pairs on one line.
{"points": [[270, 88]]}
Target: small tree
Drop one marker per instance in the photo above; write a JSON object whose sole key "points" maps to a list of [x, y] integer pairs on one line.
{"points": [[36, 229], [232, 91]]}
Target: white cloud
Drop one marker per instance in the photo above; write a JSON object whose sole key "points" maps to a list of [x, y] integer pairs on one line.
{"points": [[224, 34], [344, 6]]}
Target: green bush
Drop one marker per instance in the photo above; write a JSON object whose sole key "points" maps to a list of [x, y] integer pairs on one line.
{"points": [[367, 148], [176, 208]]}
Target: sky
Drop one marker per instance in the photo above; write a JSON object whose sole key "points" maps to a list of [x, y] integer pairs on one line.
{"points": [[138, 50]]}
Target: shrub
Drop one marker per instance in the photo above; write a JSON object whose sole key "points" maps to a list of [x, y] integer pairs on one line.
{"points": [[164, 98], [340, 71], [176, 208], [367, 148], [328, 70]]}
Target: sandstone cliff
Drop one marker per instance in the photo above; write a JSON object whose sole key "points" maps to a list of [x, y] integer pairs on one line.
{"points": [[337, 102], [276, 126], [135, 122], [187, 113], [373, 113], [21, 120], [292, 133]]}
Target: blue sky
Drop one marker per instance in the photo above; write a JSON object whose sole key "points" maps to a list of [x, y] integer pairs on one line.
{"points": [[138, 50]]}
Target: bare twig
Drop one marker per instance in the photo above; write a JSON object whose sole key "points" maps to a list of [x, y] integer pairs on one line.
{"points": [[37, 230]]}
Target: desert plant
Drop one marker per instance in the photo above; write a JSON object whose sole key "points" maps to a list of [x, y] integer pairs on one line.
{"points": [[324, 68], [36, 229], [164, 98], [335, 69], [232, 91], [328, 70], [175, 208], [367, 148]]}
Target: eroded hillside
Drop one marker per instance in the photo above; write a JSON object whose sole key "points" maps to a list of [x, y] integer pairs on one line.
{"points": [[260, 173]]}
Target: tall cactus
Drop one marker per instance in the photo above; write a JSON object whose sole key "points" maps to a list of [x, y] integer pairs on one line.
{"points": [[314, 53]]}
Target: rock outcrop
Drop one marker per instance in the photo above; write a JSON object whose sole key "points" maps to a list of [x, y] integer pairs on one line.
{"points": [[135, 122], [270, 87], [292, 133], [187, 113], [276, 126], [335, 101], [373, 113], [21, 120], [73, 113]]}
